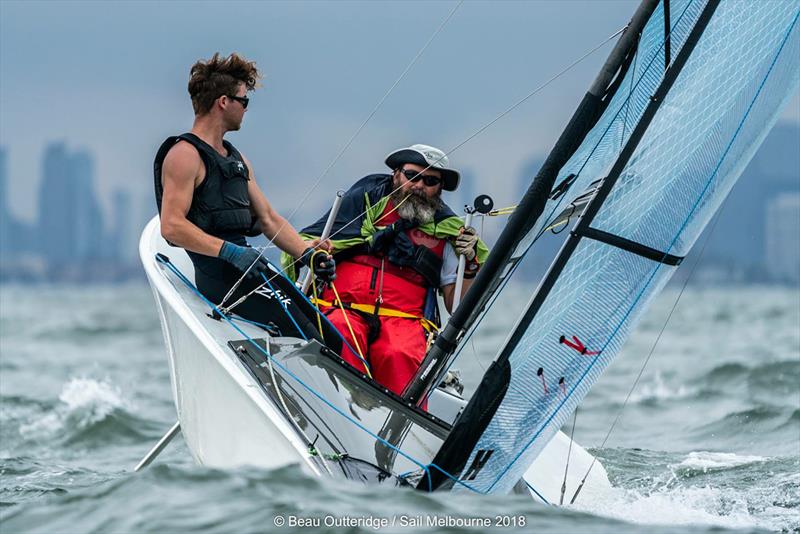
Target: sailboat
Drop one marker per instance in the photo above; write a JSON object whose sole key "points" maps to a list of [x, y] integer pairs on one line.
{"points": [[682, 103]]}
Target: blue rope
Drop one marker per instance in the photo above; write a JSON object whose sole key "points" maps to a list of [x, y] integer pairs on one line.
{"points": [[311, 390], [255, 323], [284, 307], [322, 315], [530, 487]]}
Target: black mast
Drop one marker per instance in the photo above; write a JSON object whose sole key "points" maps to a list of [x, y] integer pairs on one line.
{"points": [[458, 446], [529, 209]]}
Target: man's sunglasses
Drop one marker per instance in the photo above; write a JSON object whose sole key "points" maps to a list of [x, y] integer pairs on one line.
{"points": [[428, 179], [243, 100]]}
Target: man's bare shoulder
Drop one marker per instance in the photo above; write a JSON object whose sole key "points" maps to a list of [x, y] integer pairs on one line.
{"points": [[183, 160]]}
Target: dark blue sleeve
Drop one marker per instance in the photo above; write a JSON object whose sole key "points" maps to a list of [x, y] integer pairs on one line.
{"points": [[352, 208]]}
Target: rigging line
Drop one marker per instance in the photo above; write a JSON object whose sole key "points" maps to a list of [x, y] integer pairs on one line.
{"points": [[649, 355], [714, 224], [616, 114], [569, 452], [353, 137], [289, 414], [538, 89], [472, 136], [285, 308], [426, 468]]}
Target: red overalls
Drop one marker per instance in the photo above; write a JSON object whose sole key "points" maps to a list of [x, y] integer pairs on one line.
{"points": [[395, 354]]}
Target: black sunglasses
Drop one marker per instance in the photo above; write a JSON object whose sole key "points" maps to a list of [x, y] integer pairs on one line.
{"points": [[428, 179], [243, 100]]}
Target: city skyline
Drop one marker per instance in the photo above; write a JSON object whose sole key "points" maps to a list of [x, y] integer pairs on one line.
{"points": [[104, 88], [71, 238], [345, 84]]}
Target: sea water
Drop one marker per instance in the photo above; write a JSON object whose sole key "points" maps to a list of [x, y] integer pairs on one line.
{"points": [[709, 439]]}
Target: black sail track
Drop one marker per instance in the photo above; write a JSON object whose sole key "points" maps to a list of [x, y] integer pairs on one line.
{"points": [[461, 441]]}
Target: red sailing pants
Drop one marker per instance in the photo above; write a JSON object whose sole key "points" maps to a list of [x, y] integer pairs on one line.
{"points": [[396, 353], [393, 357]]}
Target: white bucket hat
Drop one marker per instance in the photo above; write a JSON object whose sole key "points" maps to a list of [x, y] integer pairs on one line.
{"points": [[426, 156]]}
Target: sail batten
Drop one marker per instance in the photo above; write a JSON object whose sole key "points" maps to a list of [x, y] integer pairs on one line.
{"points": [[696, 125]]}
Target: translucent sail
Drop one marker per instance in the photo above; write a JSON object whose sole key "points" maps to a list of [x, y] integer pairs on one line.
{"points": [[603, 143], [728, 91]]}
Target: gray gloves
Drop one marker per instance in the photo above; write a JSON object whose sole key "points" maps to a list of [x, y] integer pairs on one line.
{"points": [[466, 244], [243, 257]]}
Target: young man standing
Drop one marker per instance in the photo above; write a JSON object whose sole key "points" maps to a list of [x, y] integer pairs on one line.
{"points": [[208, 200]]}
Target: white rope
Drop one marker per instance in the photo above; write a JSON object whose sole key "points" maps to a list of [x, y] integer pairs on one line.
{"points": [[347, 145], [538, 89], [454, 149]]}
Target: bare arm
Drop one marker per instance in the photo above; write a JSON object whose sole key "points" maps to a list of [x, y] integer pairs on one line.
{"points": [[274, 225], [181, 172], [449, 291]]}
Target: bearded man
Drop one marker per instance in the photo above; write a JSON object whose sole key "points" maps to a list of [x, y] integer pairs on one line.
{"points": [[396, 244]]}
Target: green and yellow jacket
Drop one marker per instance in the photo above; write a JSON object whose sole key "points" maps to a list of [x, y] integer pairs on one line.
{"points": [[358, 219]]}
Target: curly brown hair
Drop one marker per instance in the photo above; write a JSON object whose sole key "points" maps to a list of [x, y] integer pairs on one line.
{"points": [[220, 76]]}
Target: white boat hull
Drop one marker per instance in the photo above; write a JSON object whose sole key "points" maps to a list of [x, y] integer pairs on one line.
{"points": [[228, 420]]}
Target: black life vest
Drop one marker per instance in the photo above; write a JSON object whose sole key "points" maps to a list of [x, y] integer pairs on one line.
{"points": [[221, 203]]}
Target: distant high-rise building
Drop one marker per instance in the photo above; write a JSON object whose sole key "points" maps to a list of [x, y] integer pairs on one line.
{"points": [[783, 237], [465, 194], [89, 233], [5, 219], [529, 172], [70, 220], [121, 241]]}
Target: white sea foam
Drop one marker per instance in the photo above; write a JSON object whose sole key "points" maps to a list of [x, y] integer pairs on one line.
{"points": [[94, 398], [678, 506], [84, 401], [706, 460], [657, 390]]}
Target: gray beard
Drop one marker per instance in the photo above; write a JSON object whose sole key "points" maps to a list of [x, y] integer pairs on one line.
{"points": [[417, 208]]}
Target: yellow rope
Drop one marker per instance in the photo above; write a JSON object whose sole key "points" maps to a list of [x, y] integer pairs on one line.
{"points": [[314, 289], [502, 211], [349, 327]]}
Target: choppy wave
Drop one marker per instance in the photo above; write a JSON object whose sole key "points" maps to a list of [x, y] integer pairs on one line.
{"points": [[701, 488], [89, 413], [658, 390], [709, 441], [706, 461]]}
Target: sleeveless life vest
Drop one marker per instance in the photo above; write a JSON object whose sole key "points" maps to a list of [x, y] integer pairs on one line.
{"points": [[221, 203]]}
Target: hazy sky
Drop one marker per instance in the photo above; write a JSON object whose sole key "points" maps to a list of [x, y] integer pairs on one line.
{"points": [[111, 77]]}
